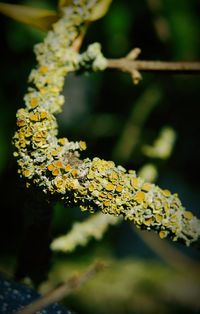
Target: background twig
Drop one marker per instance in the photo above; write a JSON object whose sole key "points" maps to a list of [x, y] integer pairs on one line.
{"points": [[63, 290]]}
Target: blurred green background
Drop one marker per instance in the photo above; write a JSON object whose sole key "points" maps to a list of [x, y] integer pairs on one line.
{"points": [[116, 119]]}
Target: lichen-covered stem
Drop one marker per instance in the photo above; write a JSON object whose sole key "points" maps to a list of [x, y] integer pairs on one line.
{"points": [[53, 163]]}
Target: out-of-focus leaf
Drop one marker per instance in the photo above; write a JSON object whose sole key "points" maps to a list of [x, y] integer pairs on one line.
{"points": [[36, 17], [184, 25], [117, 25], [98, 10], [64, 3]]}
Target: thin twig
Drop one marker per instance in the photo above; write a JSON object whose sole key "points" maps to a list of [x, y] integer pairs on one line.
{"points": [[126, 65], [167, 252], [132, 130], [63, 290]]}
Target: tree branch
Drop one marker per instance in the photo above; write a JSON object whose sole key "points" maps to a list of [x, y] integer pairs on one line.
{"points": [[151, 66], [53, 163], [130, 65], [63, 290]]}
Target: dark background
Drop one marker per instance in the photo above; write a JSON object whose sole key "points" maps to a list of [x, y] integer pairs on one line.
{"points": [[97, 110]]}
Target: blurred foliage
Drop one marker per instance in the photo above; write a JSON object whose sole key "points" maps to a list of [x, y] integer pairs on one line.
{"points": [[99, 108], [36, 17], [130, 286]]}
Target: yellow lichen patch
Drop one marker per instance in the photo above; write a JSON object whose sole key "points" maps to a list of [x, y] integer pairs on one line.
{"points": [[110, 164], [34, 102], [113, 176], [159, 218], [68, 167], [60, 183], [40, 143], [135, 183], [82, 145], [50, 167], [74, 172], [187, 214], [106, 203], [26, 173], [75, 184], [166, 205], [54, 89], [43, 115], [148, 221], [90, 175], [38, 136], [35, 117], [54, 152], [163, 234], [58, 164], [29, 132], [110, 196], [173, 219], [166, 193], [119, 188], [101, 196], [62, 141], [91, 188], [22, 143], [139, 197], [55, 172], [109, 187], [21, 122], [146, 187], [43, 91], [43, 69]]}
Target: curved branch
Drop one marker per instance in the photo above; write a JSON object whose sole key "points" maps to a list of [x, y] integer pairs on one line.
{"points": [[54, 164]]}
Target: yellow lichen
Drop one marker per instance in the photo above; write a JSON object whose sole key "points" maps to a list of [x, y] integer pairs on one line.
{"points": [[119, 188], [62, 141], [54, 164], [163, 234], [187, 214], [21, 122], [43, 69], [43, 115], [35, 117], [166, 193], [34, 102], [135, 183], [82, 145], [106, 203], [51, 167], [146, 187], [58, 164], [27, 173], [139, 197], [109, 187], [68, 167], [55, 172]]}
